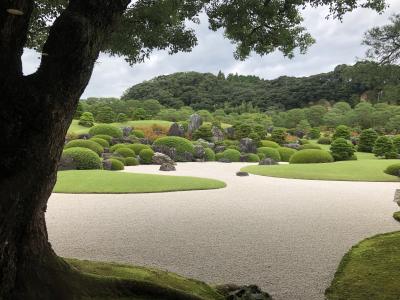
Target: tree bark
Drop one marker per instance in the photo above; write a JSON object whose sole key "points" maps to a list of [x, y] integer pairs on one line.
{"points": [[36, 111]]}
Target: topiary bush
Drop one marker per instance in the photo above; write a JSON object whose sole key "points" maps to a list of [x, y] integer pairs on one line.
{"points": [[106, 129], [131, 161], [311, 156], [116, 164], [393, 170], [219, 155], [209, 154], [138, 133], [232, 155], [342, 131], [342, 149], [181, 145], [138, 147], [261, 155], [204, 132], [367, 140], [86, 119], [85, 144], [117, 146], [383, 147], [268, 152], [252, 157], [100, 141], [278, 136], [314, 133], [83, 158], [270, 144], [310, 146], [121, 159], [106, 137], [324, 140], [286, 153], [124, 152], [146, 156], [304, 142]]}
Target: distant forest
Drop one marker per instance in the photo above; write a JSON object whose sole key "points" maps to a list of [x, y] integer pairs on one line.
{"points": [[362, 81]]}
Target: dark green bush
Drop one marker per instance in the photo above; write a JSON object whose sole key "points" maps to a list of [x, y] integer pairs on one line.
{"points": [[342, 149], [286, 153], [106, 129], [396, 143], [309, 156], [146, 156], [271, 144], [383, 146], [231, 154], [268, 152], [310, 146], [209, 154], [124, 152], [100, 141], [367, 140], [324, 140], [84, 158], [138, 133], [204, 132], [86, 119], [342, 131], [85, 144], [181, 145], [314, 133], [393, 170], [131, 161], [116, 164], [117, 146], [106, 137], [278, 135]]}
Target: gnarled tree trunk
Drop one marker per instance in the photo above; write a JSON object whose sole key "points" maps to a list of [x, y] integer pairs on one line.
{"points": [[36, 111]]}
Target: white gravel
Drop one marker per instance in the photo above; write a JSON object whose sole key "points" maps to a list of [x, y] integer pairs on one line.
{"points": [[285, 235]]}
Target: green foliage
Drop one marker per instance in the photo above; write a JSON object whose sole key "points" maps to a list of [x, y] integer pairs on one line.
{"points": [[393, 170], [310, 146], [204, 132], [367, 140], [79, 111], [86, 119], [100, 141], [124, 152], [116, 164], [138, 133], [140, 114], [138, 147], [342, 149], [181, 145], [146, 156], [342, 131], [209, 154], [268, 152], [131, 161], [314, 133], [219, 155], [105, 114], [286, 153], [108, 138], [252, 157], [383, 147], [85, 144], [117, 146], [106, 129], [304, 141], [324, 140], [270, 144], [242, 130], [310, 156], [84, 158], [119, 158], [232, 155], [278, 136], [121, 118], [396, 143]]}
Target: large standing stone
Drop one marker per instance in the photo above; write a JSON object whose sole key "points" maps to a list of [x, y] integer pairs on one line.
{"points": [[217, 134], [267, 162], [176, 130], [126, 131], [167, 167], [247, 145], [161, 158], [199, 152], [249, 292], [195, 122], [230, 132], [170, 151], [220, 148], [66, 163]]}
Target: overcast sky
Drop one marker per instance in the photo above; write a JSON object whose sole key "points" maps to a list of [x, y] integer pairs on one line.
{"points": [[337, 43]]}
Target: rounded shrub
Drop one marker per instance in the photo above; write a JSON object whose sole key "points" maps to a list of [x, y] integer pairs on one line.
{"points": [[116, 164], [261, 155], [286, 153], [83, 158], [124, 152], [304, 142], [131, 161], [311, 156], [101, 142], [268, 152], [146, 156], [232, 155], [121, 159], [86, 119], [106, 129], [383, 146], [85, 144], [314, 133], [117, 146], [393, 170], [310, 146], [324, 140], [181, 145], [252, 157], [278, 135], [106, 137], [219, 155], [138, 133], [342, 131], [138, 147], [367, 140], [209, 154], [342, 149], [271, 144]]}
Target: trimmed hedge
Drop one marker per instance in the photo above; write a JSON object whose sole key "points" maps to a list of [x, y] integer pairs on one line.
{"points": [[101, 142], [252, 157], [85, 144], [270, 153], [116, 164], [138, 133], [106, 137], [181, 145], [117, 146], [342, 149], [367, 140], [138, 147], [84, 158], [209, 154], [286, 153], [324, 140], [342, 131], [270, 144], [232, 155], [131, 161], [393, 170], [311, 156], [219, 155], [146, 156], [106, 129], [124, 152], [121, 159], [310, 146]]}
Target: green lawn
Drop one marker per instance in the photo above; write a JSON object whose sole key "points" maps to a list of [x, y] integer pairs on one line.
{"points": [[364, 169], [111, 182], [78, 129], [141, 277], [369, 271]]}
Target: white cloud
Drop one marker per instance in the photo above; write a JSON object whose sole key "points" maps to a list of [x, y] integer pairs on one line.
{"points": [[337, 43]]}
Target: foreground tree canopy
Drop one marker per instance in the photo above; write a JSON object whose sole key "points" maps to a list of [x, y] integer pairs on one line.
{"points": [[37, 109]]}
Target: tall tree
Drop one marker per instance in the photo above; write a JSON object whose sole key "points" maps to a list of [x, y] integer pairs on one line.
{"points": [[37, 109]]}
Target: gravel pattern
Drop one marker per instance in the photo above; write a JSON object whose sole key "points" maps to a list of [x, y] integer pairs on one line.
{"points": [[285, 235]]}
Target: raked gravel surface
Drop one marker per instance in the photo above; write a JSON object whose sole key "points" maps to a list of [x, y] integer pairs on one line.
{"points": [[285, 235]]}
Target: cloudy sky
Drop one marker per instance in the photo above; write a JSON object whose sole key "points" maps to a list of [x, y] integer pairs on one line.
{"points": [[337, 43]]}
